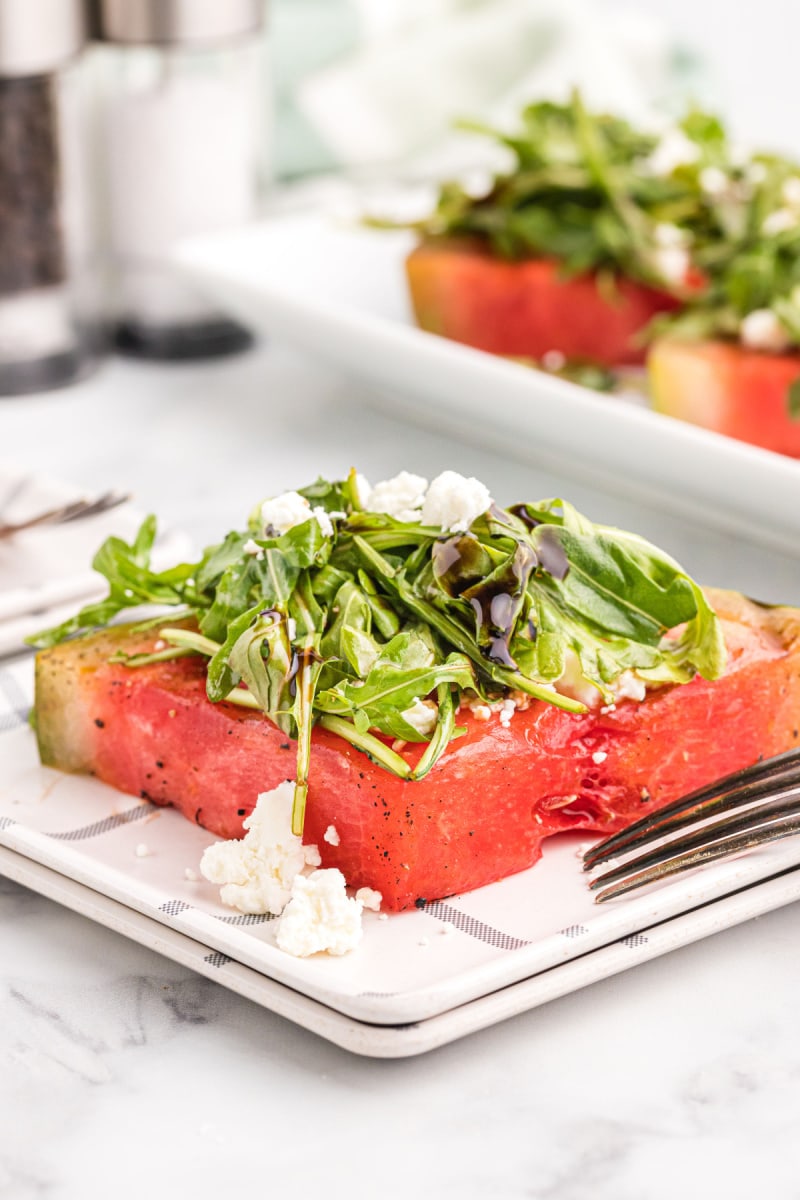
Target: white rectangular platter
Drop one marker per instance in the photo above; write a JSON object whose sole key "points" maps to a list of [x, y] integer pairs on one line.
{"points": [[419, 979], [338, 291]]}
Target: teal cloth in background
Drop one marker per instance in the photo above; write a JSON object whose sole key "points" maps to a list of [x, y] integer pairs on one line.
{"points": [[305, 35]]}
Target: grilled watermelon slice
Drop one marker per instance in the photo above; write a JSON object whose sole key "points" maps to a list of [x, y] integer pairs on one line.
{"points": [[485, 808], [526, 309], [729, 388]]}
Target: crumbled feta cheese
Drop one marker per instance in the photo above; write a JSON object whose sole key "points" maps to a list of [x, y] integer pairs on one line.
{"points": [[363, 490], [160, 644], [572, 683], [672, 263], [779, 221], [674, 150], [400, 497], [454, 502], [761, 330], [713, 181], [256, 874], [323, 520], [252, 547], [553, 360], [628, 686], [507, 710], [599, 756], [320, 916], [369, 898], [142, 850], [331, 836], [666, 234], [283, 512], [422, 716], [481, 712], [791, 191]]}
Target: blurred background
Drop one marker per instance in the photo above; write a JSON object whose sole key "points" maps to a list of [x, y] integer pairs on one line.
{"points": [[130, 126], [360, 82]]}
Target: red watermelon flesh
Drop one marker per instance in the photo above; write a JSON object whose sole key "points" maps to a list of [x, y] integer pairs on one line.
{"points": [[482, 812], [526, 309], [729, 388]]}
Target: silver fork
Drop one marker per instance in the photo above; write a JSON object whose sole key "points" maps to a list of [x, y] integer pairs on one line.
{"points": [[73, 511], [745, 809]]}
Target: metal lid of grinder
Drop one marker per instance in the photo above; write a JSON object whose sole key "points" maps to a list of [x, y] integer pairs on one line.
{"points": [[38, 36], [176, 22]]}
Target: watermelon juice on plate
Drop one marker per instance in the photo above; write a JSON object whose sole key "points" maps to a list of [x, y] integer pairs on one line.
{"points": [[445, 682]]}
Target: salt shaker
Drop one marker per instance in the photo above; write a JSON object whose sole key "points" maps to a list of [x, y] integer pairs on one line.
{"points": [[49, 278], [183, 151]]}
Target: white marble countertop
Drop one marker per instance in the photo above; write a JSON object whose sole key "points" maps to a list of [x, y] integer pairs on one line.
{"points": [[124, 1075]]}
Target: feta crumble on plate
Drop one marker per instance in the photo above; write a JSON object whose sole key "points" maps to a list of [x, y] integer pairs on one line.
{"points": [[256, 874], [270, 870], [320, 916]]}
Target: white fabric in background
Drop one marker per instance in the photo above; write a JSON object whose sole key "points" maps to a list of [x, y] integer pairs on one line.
{"points": [[420, 67]]}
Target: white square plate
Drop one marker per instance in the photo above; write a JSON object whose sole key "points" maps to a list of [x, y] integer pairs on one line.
{"points": [[419, 978], [339, 291]]}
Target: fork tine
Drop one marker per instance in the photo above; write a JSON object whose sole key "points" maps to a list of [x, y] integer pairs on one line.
{"points": [[782, 807], [705, 852], [733, 791], [88, 508], [64, 513]]}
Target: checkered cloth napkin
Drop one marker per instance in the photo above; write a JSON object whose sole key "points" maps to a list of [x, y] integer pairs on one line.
{"points": [[16, 692]]}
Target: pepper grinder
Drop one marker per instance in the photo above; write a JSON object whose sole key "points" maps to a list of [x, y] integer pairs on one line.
{"points": [[182, 147], [49, 274]]}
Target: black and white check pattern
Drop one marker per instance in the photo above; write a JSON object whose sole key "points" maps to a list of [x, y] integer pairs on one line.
{"points": [[473, 927], [98, 827], [15, 703]]}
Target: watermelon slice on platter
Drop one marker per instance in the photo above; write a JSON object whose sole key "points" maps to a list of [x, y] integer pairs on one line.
{"points": [[728, 388], [529, 308]]}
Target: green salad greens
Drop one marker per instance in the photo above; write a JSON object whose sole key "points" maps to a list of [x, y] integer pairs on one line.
{"points": [[681, 208], [377, 626]]}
